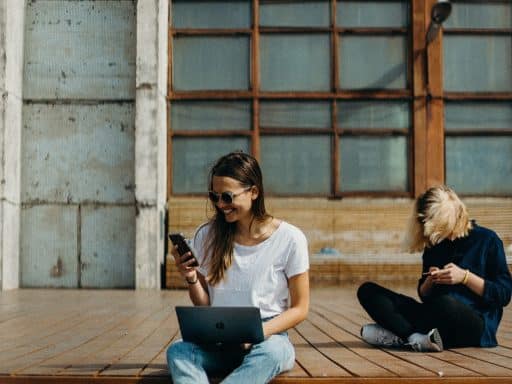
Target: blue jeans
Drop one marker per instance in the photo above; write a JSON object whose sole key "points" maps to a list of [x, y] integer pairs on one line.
{"points": [[192, 363]]}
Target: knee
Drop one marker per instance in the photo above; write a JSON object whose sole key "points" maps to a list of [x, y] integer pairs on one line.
{"points": [[440, 303], [278, 353], [178, 350], [446, 309], [365, 291]]}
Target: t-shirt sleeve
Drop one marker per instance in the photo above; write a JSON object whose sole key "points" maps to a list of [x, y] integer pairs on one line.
{"points": [[298, 258]]}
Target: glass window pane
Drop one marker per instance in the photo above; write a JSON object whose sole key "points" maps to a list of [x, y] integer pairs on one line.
{"points": [[193, 158], [211, 63], [211, 14], [295, 62], [303, 168], [373, 164], [210, 115], [373, 62], [477, 115], [354, 14], [295, 114], [374, 114], [484, 14], [479, 165], [294, 14], [477, 63]]}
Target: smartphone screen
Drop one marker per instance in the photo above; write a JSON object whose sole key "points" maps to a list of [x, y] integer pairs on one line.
{"points": [[179, 240]]}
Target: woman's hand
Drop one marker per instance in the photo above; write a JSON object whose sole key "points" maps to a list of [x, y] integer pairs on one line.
{"points": [[431, 271], [184, 267], [196, 283], [428, 282], [451, 274]]}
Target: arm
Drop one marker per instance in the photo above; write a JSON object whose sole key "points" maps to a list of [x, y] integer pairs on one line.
{"points": [[494, 287], [426, 286], [299, 306], [452, 274], [498, 283], [197, 286]]}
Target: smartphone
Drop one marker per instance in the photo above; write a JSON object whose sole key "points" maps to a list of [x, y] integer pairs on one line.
{"points": [[426, 273], [183, 247]]}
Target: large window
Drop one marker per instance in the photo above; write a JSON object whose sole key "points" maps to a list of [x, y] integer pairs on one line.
{"points": [[329, 95], [478, 104]]}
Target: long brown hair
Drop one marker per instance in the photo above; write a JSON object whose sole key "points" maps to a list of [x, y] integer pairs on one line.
{"points": [[438, 214], [221, 237]]}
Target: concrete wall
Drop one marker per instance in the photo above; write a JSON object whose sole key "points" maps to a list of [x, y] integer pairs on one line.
{"points": [[11, 64], [82, 142], [151, 140], [78, 144]]}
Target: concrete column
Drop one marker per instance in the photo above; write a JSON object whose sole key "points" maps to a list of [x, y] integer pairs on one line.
{"points": [[150, 141], [11, 84]]}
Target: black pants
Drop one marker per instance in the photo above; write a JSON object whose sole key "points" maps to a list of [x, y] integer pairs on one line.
{"points": [[458, 324]]}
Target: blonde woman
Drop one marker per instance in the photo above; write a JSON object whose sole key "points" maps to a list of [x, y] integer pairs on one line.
{"points": [[464, 285], [246, 258]]}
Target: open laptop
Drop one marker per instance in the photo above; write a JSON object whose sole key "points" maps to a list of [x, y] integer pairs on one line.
{"points": [[213, 325]]}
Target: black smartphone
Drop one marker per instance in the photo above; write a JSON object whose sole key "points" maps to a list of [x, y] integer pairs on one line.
{"points": [[183, 247]]}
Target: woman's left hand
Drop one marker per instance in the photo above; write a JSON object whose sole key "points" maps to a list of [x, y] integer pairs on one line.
{"points": [[451, 274]]}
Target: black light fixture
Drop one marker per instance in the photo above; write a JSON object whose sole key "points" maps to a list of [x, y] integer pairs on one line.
{"points": [[440, 12]]}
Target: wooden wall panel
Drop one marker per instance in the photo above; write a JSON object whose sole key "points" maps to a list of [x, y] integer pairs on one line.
{"points": [[367, 233]]}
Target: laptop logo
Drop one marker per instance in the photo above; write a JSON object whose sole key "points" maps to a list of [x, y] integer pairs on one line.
{"points": [[219, 325]]}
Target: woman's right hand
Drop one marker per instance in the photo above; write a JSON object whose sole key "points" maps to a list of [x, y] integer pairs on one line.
{"points": [[184, 267], [431, 270], [428, 282]]}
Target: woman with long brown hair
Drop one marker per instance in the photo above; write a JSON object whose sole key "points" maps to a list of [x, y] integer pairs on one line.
{"points": [[464, 285], [246, 258]]}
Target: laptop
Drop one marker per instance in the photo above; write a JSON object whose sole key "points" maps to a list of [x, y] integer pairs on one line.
{"points": [[214, 325]]}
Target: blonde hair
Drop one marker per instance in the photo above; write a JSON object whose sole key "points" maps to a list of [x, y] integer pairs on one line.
{"points": [[438, 214]]}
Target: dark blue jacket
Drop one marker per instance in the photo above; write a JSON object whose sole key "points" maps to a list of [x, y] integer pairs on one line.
{"points": [[482, 253]]}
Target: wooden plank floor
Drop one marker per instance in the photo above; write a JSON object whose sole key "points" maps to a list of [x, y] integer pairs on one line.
{"points": [[82, 336]]}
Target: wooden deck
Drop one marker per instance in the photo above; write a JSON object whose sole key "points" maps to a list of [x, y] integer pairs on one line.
{"points": [[93, 336]]}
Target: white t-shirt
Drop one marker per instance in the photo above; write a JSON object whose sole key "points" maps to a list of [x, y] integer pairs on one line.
{"points": [[258, 274]]}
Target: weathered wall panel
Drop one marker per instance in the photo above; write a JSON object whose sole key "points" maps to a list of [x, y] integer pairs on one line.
{"points": [[14, 18], [3, 104], [151, 140], [147, 265], [107, 247], [11, 68], [10, 243], [80, 50], [3, 56], [75, 153], [49, 246], [78, 140], [12, 148]]}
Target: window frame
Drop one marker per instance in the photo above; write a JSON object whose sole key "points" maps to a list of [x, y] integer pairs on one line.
{"points": [[484, 96], [424, 92]]}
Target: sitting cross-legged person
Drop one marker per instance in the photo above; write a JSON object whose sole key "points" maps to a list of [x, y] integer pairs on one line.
{"points": [[464, 285]]}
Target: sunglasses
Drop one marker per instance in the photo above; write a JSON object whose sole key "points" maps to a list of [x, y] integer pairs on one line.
{"points": [[226, 197]]}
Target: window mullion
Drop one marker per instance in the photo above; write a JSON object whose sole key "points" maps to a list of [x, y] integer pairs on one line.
{"points": [[255, 80], [435, 154], [419, 105]]}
